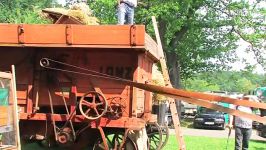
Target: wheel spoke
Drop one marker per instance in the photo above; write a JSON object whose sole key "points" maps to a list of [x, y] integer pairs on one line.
{"points": [[87, 111], [93, 99], [100, 97], [154, 140], [96, 111], [156, 137], [120, 138], [115, 140], [98, 104], [108, 140], [88, 104]]}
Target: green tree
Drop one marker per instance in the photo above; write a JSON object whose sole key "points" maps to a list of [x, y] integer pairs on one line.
{"points": [[200, 85], [197, 35], [231, 81], [105, 10], [197, 31], [23, 11], [244, 85]]}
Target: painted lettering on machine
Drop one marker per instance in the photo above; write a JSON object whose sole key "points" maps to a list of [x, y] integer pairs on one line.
{"points": [[118, 71]]}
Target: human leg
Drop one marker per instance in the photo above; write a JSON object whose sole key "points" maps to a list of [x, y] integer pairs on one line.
{"points": [[246, 136], [121, 13], [130, 15], [238, 138]]}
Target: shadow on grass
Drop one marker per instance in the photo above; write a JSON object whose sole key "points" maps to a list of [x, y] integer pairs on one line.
{"points": [[259, 148], [259, 141]]}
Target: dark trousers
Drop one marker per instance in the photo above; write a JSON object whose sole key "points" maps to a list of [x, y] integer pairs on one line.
{"points": [[242, 137]]}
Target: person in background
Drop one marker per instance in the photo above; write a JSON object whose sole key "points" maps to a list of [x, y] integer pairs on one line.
{"points": [[243, 127], [125, 11]]}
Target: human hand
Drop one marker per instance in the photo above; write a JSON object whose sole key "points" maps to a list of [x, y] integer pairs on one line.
{"points": [[230, 126]]}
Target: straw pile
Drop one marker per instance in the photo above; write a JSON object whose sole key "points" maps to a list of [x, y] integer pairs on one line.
{"points": [[79, 11], [157, 79]]}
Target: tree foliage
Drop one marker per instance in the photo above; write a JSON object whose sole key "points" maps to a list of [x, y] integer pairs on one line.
{"points": [[201, 85], [230, 81], [197, 35], [105, 10], [23, 11]]}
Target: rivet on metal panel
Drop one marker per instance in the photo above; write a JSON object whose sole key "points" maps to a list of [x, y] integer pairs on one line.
{"points": [[69, 33], [133, 35], [20, 34]]}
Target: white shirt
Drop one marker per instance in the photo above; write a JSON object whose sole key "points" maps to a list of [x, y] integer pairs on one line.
{"points": [[131, 2], [242, 122]]}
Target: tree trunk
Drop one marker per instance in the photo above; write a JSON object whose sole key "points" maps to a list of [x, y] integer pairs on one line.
{"points": [[174, 73], [172, 59]]}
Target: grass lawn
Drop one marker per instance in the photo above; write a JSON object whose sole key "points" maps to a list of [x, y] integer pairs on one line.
{"points": [[206, 143], [192, 143]]}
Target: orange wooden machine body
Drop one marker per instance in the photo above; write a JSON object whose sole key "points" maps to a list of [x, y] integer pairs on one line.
{"points": [[122, 51]]}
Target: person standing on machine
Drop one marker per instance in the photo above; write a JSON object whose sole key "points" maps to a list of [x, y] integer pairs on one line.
{"points": [[125, 11]]}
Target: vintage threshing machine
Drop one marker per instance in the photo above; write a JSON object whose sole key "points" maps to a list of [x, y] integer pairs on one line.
{"points": [[84, 86], [61, 99]]}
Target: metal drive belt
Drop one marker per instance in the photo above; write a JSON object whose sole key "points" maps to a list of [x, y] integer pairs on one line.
{"points": [[197, 98]]}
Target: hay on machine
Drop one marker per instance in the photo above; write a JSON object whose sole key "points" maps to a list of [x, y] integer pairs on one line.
{"points": [[79, 13]]}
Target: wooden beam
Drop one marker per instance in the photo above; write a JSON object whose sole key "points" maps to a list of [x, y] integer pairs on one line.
{"points": [[174, 113], [219, 108]]}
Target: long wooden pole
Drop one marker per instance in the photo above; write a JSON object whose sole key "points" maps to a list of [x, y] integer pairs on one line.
{"points": [[175, 92], [15, 107], [175, 117]]}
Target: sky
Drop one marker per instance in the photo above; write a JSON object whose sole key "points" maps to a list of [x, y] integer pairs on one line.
{"points": [[250, 58], [62, 2]]}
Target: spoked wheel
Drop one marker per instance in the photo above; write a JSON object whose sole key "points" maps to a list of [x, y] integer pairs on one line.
{"points": [[114, 141], [155, 136], [165, 135], [116, 107], [93, 105]]}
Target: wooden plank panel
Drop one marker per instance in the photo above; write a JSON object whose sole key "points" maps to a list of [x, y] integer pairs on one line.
{"points": [[44, 34], [123, 122], [78, 34], [22, 94], [151, 46], [5, 75], [22, 101], [108, 34], [140, 35], [101, 35], [8, 33]]}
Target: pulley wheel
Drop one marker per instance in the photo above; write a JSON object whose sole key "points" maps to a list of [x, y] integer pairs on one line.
{"points": [[93, 105]]}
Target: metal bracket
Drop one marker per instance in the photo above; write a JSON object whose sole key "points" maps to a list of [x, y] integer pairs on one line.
{"points": [[69, 39], [133, 39], [21, 34]]}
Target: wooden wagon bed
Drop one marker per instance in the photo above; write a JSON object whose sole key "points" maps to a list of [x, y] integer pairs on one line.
{"points": [[81, 36], [104, 48]]}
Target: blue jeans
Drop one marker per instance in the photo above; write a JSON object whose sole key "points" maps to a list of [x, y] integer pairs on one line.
{"points": [[125, 14], [242, 137]]}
